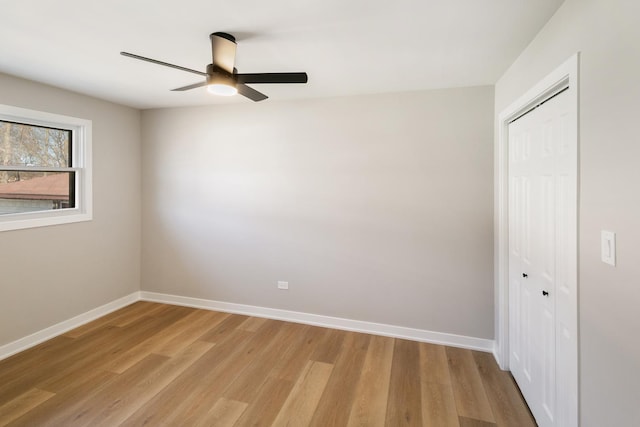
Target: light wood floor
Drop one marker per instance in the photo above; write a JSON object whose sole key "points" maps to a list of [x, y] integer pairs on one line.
{"points": [[154, 364]]}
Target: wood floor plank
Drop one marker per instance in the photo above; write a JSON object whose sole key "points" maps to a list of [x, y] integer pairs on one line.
{"points": [[150, 345], [472, 422], [107, 396], [149, 310], [404, 403], [329, 348], [295, 356], [508, 407], [84, 408], [199, 395], [252, 323], [67, 359], [191, 385], [301, 404], [224, 413], [273, 392], [100, 358], [471, 399], [19, 364], [337, 400], [438, 401], [438, 405], [244, 387], [225, 328], [22, 404], [132, 310], [370, 404], [169, 340], [64, 401], [202, 322], [434, 366], [120, 400], [244, 356], [271, 395], [154, 310]]}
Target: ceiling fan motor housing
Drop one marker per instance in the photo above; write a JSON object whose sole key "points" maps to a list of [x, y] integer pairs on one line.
{"points": [[223, 35], [216, 75]]}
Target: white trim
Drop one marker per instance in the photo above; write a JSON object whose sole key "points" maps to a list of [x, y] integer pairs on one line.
{"points": [[461, 341], [421, 335], [82, 164], [565, 76], [64, 326]]}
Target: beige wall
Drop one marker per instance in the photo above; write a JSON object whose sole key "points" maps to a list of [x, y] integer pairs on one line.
{"points": [[51, 274], [608, 35], [375, 208]]}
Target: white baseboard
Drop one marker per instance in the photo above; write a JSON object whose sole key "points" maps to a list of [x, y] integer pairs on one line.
{"points": [[496, 355], [62, 327], [422, 335], [453, 340]]}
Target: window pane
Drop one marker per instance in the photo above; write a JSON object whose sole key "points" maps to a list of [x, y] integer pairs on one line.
{"points": [[27, 145], [36, 191]]}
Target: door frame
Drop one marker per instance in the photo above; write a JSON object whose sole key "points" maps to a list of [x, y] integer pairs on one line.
{"points": [[563, 77]]}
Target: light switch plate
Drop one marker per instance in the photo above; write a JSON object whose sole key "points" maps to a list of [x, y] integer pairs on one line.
{"points": [[608, 247]]}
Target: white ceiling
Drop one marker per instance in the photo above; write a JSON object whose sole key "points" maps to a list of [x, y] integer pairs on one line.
{"points": [[347, 47]]}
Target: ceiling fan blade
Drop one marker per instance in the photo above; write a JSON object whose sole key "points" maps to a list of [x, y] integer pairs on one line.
{"points": [[223, 51], [272, 78], [193, 86], [166, 64], [250, 93]]}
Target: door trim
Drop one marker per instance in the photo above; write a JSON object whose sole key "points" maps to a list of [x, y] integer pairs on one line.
{"points": [[563, 77]]}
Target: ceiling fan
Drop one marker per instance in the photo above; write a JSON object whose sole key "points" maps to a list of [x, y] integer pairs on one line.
{"points": [[221, 77]]}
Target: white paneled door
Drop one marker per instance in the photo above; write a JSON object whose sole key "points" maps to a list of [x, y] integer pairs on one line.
{"points": [[542, 253]]}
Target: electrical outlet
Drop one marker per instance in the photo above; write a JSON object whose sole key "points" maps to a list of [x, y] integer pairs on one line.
{"points": [[283, 285], [608, 242]]}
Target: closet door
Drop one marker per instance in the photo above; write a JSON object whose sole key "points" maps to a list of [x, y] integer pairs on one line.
{"points": [[539, 248]]}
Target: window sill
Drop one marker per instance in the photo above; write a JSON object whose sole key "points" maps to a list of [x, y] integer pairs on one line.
{"points": [[42, 219]]}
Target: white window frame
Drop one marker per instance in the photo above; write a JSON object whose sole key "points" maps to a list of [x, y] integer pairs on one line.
{"points": [[81, 165]]}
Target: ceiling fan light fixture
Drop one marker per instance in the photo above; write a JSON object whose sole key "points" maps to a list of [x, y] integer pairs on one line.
{"points": [[222, 89], [219, 83]]}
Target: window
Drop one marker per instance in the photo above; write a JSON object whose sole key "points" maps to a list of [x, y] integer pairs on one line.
{"points": [[45, 169]]}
